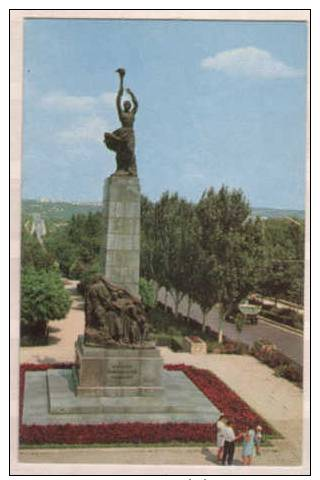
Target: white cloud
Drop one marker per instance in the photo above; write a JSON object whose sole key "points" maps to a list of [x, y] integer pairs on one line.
{"points": [[61, 101], [72, 103], [109, 98], [89, 129], [86, 119], [250, 62]]}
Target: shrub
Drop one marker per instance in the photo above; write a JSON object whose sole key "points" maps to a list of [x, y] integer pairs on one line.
{"points": [[290, 372], [176, 344], [231, 347], [77, 269], [163, 340], [262, 345], [147, 292], [87, 276], [43, 298], [286, 316], [172, 342], [164, 321], [284, 367]]}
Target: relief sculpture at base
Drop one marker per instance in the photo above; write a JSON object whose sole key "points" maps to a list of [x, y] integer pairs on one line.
{"points": [[113, 316]]}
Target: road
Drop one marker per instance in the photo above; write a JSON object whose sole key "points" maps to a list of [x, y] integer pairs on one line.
{"points": [[290, 343]]}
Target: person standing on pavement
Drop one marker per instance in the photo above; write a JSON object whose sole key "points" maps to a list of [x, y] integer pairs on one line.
{"points": [[258, 438], [248, 446], [229, 444], [220, 436]]}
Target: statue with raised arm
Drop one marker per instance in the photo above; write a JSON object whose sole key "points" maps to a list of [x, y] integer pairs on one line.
{"points": [[122, 140]]}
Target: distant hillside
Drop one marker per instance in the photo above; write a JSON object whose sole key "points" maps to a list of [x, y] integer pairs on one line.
{"points": [[57, 210], [65, 210], [277, 212]]}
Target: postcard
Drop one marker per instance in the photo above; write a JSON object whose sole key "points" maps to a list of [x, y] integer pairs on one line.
{"points": [[160, 199]]}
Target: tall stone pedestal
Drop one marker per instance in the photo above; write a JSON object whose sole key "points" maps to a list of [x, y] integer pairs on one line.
{"points": [[121, 236], [118, 372]]}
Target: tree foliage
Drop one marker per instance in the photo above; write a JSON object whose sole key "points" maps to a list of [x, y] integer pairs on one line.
{"points": [[211, 252], [230, 249], [43, 298], [208, 251], [33, 254], [147, 292], [76, 245], [282, 269]]}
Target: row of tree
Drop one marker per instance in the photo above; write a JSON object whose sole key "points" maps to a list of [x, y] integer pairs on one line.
{"points": [[207, 252], [211, 252], [215, 253]]}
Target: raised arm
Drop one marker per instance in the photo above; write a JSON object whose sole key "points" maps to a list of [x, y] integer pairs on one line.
{"points": [[134, 100], [119, 96]]}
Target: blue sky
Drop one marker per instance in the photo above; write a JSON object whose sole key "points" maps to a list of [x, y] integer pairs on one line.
{"points": [[219, 103]]}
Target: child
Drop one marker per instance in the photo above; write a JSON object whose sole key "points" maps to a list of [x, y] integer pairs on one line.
{"points": [[258, 438]]}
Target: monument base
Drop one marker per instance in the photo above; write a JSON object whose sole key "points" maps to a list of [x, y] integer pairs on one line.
{"points": [[50, 399], [117, 371]]}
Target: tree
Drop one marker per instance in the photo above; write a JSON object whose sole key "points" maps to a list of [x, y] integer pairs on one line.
{"points": [[174, 245], [63, 249], [162, 240], [43, 298], [76, 245], [33, 254], [147, 292], [282, 269], [205, 286], [148, 237], [231, 247]]}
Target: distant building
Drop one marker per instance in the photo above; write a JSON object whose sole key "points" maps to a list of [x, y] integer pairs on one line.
{"points": [[38, 227]]}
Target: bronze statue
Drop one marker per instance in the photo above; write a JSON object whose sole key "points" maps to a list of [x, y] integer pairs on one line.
{"points": [[113, 316], [122, 140]]}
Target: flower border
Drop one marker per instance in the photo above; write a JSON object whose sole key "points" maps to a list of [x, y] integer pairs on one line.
{"points": [[216, 391]]}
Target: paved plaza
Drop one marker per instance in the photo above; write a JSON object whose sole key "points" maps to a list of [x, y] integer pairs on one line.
{"points": [[277, 400]]}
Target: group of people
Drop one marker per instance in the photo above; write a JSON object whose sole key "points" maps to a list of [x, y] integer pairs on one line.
{"points": [[226, 439]]}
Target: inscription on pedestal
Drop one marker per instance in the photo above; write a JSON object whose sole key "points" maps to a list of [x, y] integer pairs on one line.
{"points": [[119, 371]]}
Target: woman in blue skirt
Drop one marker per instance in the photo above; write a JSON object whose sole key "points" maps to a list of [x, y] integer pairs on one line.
{"points": [[248, 446]]}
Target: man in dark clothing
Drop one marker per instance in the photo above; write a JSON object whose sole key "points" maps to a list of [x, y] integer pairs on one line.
{"points": [[229, 444]]}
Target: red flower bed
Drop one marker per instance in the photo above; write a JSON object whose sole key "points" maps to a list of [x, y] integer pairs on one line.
{"points": [[137, 432], [225, 399]]}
